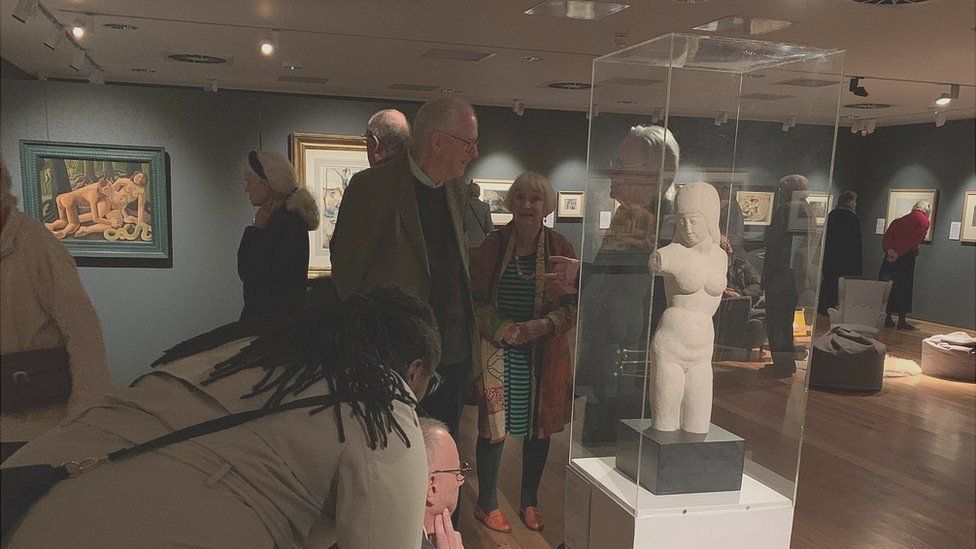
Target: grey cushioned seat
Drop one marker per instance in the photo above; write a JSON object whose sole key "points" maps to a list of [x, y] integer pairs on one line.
{"points": [[846, 360]]}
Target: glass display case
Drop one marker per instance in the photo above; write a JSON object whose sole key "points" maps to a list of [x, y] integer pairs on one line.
{"points": [[709, 170]]}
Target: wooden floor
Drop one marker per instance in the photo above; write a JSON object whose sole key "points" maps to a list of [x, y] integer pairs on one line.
{"points": [[894, 469]]}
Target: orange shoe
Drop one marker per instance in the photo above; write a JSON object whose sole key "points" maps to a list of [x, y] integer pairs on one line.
{"points": [[532, 518], [495, 520]]}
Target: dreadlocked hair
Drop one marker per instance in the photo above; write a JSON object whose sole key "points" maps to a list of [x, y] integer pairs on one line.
{"points": [[361, 347]]}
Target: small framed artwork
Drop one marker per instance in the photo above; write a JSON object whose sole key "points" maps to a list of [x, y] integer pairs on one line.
{"points": [[968, 232], [901, 202], [325, 164], [820, 203], [108, 204], [570, 204], [757, 207], [494, 191]]}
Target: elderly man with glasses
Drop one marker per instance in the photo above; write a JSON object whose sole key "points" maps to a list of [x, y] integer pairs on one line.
{"points": [[402, 223], [446, 474]]}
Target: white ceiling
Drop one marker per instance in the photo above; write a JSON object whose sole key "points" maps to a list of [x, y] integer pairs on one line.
{"points": [[906, 53]]}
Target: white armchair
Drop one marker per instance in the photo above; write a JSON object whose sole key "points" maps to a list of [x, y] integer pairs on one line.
{"points": [[861, 305]]}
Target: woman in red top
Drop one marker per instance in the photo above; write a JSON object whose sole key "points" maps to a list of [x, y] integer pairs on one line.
{"points": [[900, 243]]}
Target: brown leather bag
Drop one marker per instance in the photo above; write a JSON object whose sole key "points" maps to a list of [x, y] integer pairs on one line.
{"points": [[33, 379]]}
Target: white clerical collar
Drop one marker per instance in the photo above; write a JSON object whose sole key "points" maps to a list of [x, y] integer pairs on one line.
{"points": [[420, 175]]}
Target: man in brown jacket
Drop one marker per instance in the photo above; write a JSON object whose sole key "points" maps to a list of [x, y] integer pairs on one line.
{"points": [[402, 223]]}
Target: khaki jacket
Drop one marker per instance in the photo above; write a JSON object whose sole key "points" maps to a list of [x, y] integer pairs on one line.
{"points": [[378, 238]]}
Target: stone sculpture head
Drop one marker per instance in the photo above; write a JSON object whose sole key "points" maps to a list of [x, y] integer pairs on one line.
{"points": [[697, 206]]}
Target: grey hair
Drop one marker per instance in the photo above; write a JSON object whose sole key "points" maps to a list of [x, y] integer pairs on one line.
{"points": [[392, 131], [658, 139], [474, 190], [428, 426], [436, 115], [847, 198], [534, 182], [923, 206], [283, 179], [7, 199]]}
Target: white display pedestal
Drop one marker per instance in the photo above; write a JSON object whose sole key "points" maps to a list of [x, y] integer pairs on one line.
{"points": [[605, 509]]}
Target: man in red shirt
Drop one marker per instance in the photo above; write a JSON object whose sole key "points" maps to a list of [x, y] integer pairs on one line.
{"points": [[900, 244]]}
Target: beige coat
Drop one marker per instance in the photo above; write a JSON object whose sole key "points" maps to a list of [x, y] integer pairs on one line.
{"points": [[43, 305], [378, 238], [262, 484]]}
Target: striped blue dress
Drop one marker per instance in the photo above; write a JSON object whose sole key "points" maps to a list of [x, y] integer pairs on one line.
{"points": [[516, 298]]}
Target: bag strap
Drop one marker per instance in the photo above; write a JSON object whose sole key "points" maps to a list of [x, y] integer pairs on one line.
{"points": [[221, 423]]}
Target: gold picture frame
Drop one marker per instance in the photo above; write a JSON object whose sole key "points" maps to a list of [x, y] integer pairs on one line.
{"points": [[901, 201], [570, 204], [493, 192], [325, 163], [968, 230]]}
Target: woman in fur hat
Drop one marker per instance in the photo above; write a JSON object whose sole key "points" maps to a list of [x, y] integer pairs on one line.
{"points": [[272, 259]]}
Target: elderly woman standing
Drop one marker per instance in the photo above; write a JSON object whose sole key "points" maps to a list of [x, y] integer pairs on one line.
{"points": [[524, 315], [272, 259], [53, 356]]}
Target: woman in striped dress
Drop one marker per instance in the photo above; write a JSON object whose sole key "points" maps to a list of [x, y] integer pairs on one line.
{"points": [[524, 315]]}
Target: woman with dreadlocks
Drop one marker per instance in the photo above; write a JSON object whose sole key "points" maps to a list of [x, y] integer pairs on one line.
{"points": [[356, 470]]}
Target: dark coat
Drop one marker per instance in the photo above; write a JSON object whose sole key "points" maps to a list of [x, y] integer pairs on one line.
{"points": [[842, 247], [273, 265]]}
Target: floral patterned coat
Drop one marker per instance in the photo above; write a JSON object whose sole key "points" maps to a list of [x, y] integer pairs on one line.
{"points": [[552, 372]]}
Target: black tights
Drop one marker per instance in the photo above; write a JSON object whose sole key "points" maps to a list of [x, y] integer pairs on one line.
{"points": [[535, 451]]}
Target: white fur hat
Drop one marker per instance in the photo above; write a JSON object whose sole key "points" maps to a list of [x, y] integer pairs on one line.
{"points": [[280, 175]]}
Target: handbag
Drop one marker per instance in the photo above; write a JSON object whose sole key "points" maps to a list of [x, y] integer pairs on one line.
{"points": [[33, 379], [22, 486]]}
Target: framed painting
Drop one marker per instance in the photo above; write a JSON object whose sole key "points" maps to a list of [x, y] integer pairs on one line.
{"points": [[325, 164], [570, 204], [757, 207], [108, 204], [820, 203], [493, 191], [968, 230], [901, 202]]}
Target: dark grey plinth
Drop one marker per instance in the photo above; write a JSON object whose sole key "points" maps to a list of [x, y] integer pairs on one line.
{"points": [[678, 462]]}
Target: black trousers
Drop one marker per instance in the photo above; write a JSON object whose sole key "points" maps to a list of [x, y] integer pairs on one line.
{"points": [[781, 301], [446, 403], [901, 273]]}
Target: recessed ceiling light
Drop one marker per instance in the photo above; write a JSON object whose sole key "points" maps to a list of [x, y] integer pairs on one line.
{"points": [[120, 26], [78, 30], [576, 9], [142, 69], [458, 55], [569, 85], [450, 90], [529, 59], [743, 25], [867, 106], [292, 66], [198, 58]]}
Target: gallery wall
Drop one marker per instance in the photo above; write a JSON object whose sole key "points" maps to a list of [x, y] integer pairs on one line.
{"points": [[208, 135]]}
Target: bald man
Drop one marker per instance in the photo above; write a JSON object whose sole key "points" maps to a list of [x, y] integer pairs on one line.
{"points": [[387, 136], [445, 475]]}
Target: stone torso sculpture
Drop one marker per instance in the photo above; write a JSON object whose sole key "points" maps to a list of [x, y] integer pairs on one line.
{"points": [[694, 270]]}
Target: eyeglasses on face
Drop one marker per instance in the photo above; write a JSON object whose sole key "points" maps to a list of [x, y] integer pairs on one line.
{"points": [[469, 144], [436, 380], [461, 473]]}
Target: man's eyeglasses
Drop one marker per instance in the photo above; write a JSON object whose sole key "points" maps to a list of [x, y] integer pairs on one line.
{"points": [[436, 380], [469, 145], [461, 474]]}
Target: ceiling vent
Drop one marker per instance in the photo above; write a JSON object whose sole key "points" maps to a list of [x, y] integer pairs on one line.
{"points": [[569, 85], [867, 106], [197, 58], [889, 2], [808, 83], [413, 87], [764, 96], [458, 55], [302, 79], [625, 81], [120, 26]]}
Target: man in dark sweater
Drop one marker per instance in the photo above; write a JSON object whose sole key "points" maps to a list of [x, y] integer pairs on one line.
{"points": [[842, 249], [402, 223]]}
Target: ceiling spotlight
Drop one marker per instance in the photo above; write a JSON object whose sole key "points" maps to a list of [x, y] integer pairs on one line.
{"points": [[529, 59], [856, 88], [54, 39], [518, 107], [940, 119], [96, 77], [269, 44], [722, 118], [946, 97], [79, 28], [789, 123], [25, 10], [212, 88]]}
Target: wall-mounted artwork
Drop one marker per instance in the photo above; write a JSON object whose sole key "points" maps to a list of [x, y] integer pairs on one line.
{"points": [[325, 164], [570, 204], [968, 232], [757, 207], [901, 202], [493, 191], [108, 204], [820, 203]]}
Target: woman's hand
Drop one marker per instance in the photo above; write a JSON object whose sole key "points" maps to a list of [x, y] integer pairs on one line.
{"points": [[566, 269], [892, 255], [534, 329], [512, 336]]}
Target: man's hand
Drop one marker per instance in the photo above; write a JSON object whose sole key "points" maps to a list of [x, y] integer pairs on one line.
{"points": [[729, 292], [444, 535], [566, 270], [892, 255]]}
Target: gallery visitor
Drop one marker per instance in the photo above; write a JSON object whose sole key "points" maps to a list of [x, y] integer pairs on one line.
{"points": [[387, 136], [842, 249], [355, 470], [900, 244], [272, 259], [445, 475], [524, 387], [477, 217], [402, 223], [53, 356]]}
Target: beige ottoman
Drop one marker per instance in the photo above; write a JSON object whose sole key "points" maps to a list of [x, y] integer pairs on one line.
{"points": [[950, 356]]}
